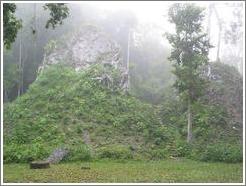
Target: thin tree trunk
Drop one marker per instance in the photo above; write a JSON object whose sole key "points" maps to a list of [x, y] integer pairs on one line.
{"points": [[35, 33], [218, 45], [219, 34], [6, 97], [128, 62], [22, 77], [189, 117], [20, 66], [209, 20], [35, 20]]}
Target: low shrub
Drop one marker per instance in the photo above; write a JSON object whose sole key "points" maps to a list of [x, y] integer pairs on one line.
{"points": [[23, 153], [115, 152], [157, 154], [182, 149], [222, 152], [79, 152]]}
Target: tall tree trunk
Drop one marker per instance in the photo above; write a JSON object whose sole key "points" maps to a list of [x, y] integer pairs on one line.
{"points": [[128, 61], [35, 35], [22, 77], [218, 44], [209, 19], [20, 66], [219, 34], [35, 18], [189, 118], [6, 97], [35, 32]]}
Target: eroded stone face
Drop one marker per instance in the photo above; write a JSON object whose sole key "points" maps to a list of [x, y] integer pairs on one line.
{"points": [[87, 46]]}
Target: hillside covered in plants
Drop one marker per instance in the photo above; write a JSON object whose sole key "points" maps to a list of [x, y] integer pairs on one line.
{"points": [[82, 115], [116, 96], [65, 109]]}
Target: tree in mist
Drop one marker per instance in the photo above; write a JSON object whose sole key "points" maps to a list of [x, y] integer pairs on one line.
{"points": [[233, 37], [10, 76], [189, 51], [213, 10], [25, 44], [150, 68], [20, 67], [229, 44], [58, 12], [120, 25], [11, 25]]}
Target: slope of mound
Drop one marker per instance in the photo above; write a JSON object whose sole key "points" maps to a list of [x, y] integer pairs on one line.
{"points": [[72, 110], [226, 89], [217, 116]]}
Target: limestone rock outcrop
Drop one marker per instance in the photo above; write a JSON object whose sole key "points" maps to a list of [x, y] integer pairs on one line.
{"points": [[83, 48]]}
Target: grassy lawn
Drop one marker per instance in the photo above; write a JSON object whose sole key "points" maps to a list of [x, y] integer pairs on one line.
{"points": [[165, 171]]}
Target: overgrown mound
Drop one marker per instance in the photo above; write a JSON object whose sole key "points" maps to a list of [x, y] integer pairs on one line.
{"points": [[73, 110], [217, 117], [226, 90]]}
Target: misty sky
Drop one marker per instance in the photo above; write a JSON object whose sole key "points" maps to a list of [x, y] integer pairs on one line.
{"points": [[156, 12]]}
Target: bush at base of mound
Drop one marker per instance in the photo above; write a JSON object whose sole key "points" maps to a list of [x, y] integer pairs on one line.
{"points": [[223, 152], [24, 153], [115, 152]]}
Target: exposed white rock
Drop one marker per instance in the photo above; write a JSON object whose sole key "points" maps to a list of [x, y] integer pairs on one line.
{"points": [[85, 47]]}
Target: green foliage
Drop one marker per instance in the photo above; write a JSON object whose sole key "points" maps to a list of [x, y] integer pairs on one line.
{"points": [[33, 37], [115, 152], [10, 74], [19, 153], [157, 154], [211, 123], [62, 103], [58, 12], [182, 148], [220, 152], [189, 53], [11, 24], [190, 49], [79, 152], [226, 91], [214, 138]]}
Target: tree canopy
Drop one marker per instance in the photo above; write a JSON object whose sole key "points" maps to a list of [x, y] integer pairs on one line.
{"points": [[189, 51], [11, 24]]}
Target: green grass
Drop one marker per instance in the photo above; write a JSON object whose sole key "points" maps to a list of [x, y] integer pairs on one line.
{"points": [[105, 171]]}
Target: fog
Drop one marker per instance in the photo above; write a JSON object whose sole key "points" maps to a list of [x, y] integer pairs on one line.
{"points": [[157, 13], [146, 22]]}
